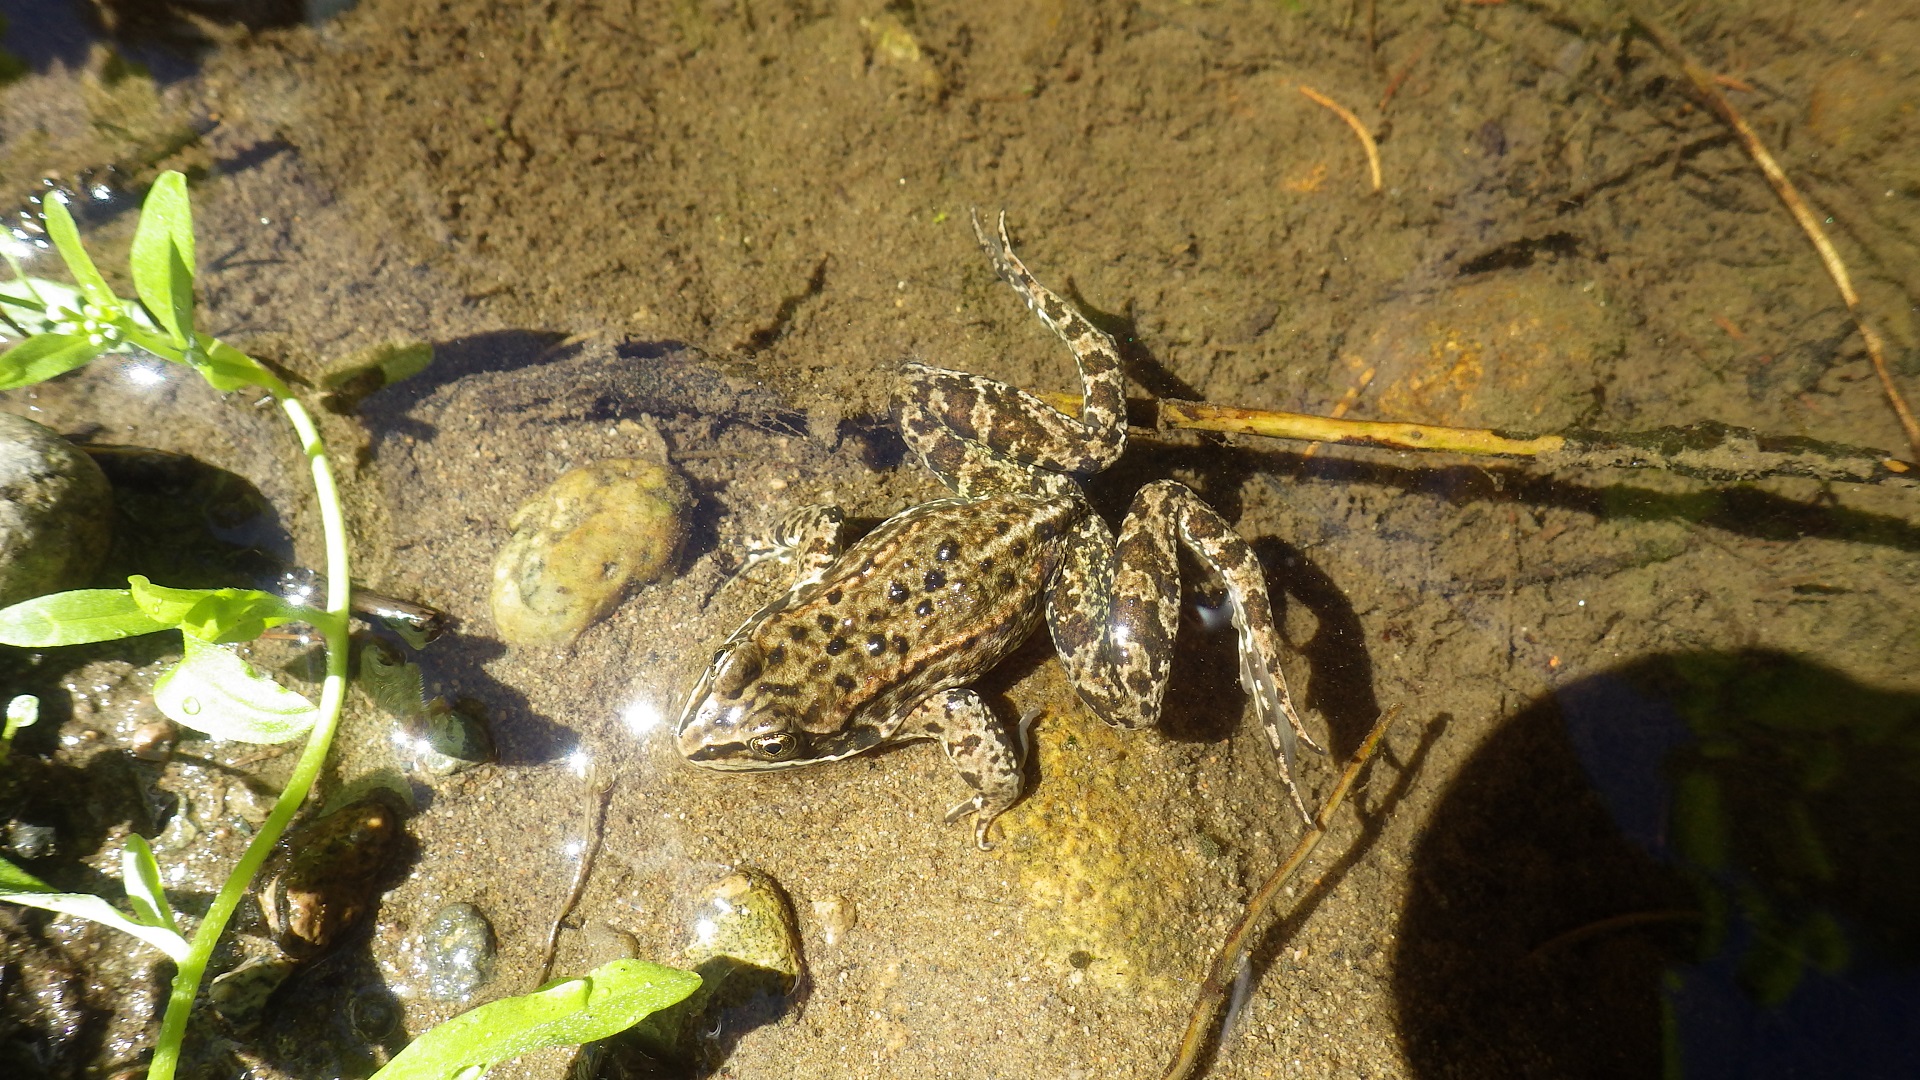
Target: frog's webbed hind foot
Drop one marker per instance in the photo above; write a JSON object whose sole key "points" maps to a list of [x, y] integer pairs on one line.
{"points": [[1103, 410], [807, 539], [986, 755]]}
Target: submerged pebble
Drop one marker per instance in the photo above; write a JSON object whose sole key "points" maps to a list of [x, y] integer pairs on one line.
{"points": [[329, 872], [836, 915], [457, 952], [577, 546], [455, 740], [56, 512], [605, 944], [241, 995], [26, 840], [744, 937], [373, 1016]]}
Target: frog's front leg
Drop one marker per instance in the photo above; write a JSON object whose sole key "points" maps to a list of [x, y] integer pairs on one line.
{"points": [[983, 750], [808, 538], [1114, 609]]}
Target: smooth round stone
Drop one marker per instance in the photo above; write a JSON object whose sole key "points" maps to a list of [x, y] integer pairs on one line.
{"points": [[457, 954], [577, 546], [30, 841], [374, 1015], [744, 937], [56, 513], [453, 741]]}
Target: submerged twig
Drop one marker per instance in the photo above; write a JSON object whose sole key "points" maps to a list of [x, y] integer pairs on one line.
{"points": [[1709, 450], [1221, 976], [600, 793], [1360, 129], [1703, 82]]}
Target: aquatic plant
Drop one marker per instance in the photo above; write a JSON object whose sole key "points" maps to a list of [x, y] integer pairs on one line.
{"points": [[566, 1012], [212, 689]]}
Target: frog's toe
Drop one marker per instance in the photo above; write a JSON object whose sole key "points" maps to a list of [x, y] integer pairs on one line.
{"points": [[1301, 731], [1299, 804], [976, 805]]}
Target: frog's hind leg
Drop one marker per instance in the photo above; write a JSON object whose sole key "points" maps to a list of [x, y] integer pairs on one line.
{"points": [[981, 436], [1116, 606], [985, 753]]}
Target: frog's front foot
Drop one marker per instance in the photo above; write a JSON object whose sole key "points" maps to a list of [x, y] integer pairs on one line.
{"points": [[982, 750], [806, 540]]}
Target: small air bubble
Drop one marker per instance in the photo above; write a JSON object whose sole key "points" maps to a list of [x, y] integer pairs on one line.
{"points": [[190, 706]]}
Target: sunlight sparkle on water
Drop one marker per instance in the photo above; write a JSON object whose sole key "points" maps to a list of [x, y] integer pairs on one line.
{"points": [[580, 762], [22, 246], [409, 743], [641, 716], [140, 374]]}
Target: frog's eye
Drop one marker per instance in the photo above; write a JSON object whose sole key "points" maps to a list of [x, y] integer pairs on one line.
{"points": [[775, 747]]}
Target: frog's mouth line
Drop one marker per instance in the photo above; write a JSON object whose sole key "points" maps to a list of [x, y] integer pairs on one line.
{"points": [[737, 757]]}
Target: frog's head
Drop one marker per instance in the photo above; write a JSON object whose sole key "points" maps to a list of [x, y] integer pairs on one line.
{"points": [[737, 720]]}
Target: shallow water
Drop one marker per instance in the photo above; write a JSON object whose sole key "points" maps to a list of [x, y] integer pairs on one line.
{"points": [[716, 229]]}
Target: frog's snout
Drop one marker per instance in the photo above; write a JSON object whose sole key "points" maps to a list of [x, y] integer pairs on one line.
{"points": [[710, 732]]}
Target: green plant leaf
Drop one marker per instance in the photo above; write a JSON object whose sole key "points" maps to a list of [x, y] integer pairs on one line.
{"points": [[606, 1001], [66, 239], [162, 256], [75, 618], [220, 616], [37, 304], [43, 356], [24, 302], [141, 873], [19, 887], [227, 368], [212, 690]]}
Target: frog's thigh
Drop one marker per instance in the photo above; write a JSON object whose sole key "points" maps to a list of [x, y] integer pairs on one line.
{"points": [[980, 435], [1113, 610], [981, 748], [1117, 645]]}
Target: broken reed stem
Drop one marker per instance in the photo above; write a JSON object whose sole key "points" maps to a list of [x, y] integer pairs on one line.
{"points": [[1220, 977], [1703, 81], [1708, 450], [1366, 137]]}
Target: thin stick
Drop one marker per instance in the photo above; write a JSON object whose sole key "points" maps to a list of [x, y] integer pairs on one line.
{"points": [[1220, 978], [1708, 450], [1608, 925], [1703, 82], [1393, 85], [1346, 402], [1366, 137], [596, 831]]}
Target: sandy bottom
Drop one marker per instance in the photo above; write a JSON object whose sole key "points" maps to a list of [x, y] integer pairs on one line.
{"points": [[1656, 751]]}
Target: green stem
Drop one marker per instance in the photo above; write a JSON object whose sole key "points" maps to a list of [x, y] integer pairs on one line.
{"points": [[186, 980]]}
